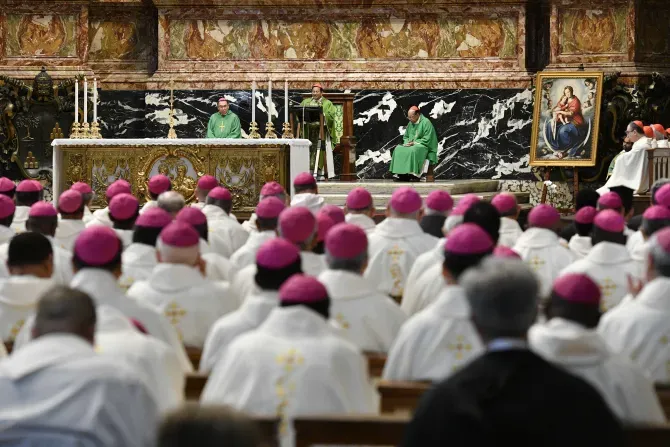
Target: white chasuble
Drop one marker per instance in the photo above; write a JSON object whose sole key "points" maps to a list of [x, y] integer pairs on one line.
{"points": [[435, 342], [414, 299], [393, 247], [580, 245], [292, 365], [370, 319], [246, 255], [138, 261], [126, 237], [628, 391], [62, 273], [148, 205], [510, 232], [630, 168], [244, 284], [609, 265], [100, 217], [311, 201], [545, 255], [88, 215], [19, 296], [227, 234], [67, 232], [312, 263], [361, 221], [6, 234], [189, 301], [249, 225], [20, 217], [218, 268]]}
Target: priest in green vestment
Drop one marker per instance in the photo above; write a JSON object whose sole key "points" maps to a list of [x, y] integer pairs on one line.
{"points": [[312, 129], [224, 123], [419, 145]]}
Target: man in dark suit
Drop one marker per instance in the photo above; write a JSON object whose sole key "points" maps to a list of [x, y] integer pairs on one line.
{"points": [[509, 395]]}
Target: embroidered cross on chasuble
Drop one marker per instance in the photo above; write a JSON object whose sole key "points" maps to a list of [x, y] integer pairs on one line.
{"points": [[175, 313], [221, 127], [607, 289], [535, 263]]}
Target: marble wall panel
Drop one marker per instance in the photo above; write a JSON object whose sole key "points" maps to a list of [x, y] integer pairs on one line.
{"points": [[592, 31], [41, 35], [119, 37]]}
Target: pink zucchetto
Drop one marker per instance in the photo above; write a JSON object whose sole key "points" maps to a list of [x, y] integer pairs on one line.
{"points": [[610, 220], [586, 215], [42, 209], [82, 187], [304, 179], [439, 201], [123, 206], [577, 288], [154, 218], [159, 184], [656, 212], [359, 199], [116, 188], [270, 208], [7, 207], [468, 239], [504, 202], [297, 224], [502, 251], [662, 196], [469, 199], [180, 235], [70, 201], [543, 216], [334, 212], [302, 289], [346, 241], [97, 245], [323, 223], [272, 189], [405, 200], [220, 193], [191, 216], [6, 185], [610, 201], [29, 186], [207, 182], [277, 254]]}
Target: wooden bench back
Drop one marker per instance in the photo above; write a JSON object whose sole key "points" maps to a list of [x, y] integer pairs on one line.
{"points": [[349, 430], [194, 385], [663, 393], [376, 362], [658, 164], [401, 396], [194, 355]]}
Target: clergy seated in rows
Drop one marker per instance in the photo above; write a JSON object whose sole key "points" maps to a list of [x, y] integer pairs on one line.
{"points": [[270, 189], [294, 364], [326, 218], [157, 185], [636, 238], [438, 205], [660, 136], [101, 216], [419, 147], [540, 247], [7, 187], [224, 123], [360, 209], [178, 287], [58, 391], [580, 244], [569, 339], [222, 223], [608, 262], [123, 212], [28, 193], [265, 229], [71, 208], [97, 265], [427, 284], [655, 218], [205, 184], [30, 264], [87, 193], [619, 199], [7, 209], [139, 259], [306, 193], [211, 425], [370, 319], [509, 395], [639, 328], [396, 243], [585, 197], [276, 261], [630, 167], [441, 339], [509, 209]]}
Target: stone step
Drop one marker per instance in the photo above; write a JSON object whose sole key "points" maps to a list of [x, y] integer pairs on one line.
{"points": [[381, 199], [454, 187]]}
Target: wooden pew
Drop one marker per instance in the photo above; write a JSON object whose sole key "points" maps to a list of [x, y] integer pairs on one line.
{"points": [[376, 362], [194, 355], [663, 393], [349, 430], [195, 383], [9, 345], [267, 426], [658, 436], [401, 396]]}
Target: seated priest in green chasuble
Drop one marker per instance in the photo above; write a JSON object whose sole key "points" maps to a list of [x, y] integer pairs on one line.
{"points": [[224, 123], [419, 145], [312, 128]]}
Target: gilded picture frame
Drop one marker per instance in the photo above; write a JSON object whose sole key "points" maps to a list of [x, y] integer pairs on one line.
{"points": [[566, 117]]}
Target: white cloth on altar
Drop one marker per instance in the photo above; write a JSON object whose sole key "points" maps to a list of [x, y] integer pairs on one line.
{"points": [[392, 248], [67, 232], [19, 296], [609, 265], [100, 217], [361, 221], [20, 217], [510, 232], [627, 390], [231, 236], [189, 301], [580, 245], [311, 201], [414, 299], [59, 382], [370, 319], [246, 255], [435, 342], [248, 317], [630, 168]]}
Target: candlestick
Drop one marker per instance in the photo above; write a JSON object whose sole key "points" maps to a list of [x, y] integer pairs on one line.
{"points": [[269, 102], [76, 101], [286, 101], [85, 120], [95, 99], [253, 101]]}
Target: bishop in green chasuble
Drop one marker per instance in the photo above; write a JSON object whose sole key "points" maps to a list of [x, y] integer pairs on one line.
{"points": [[312, 129], [224, 123], [419, 145]]}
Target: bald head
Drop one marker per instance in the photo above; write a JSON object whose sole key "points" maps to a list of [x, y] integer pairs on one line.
{"points": [[171, 201], [66, 311]]}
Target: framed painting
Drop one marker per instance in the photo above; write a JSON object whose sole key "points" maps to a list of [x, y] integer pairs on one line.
{"points": [[566, 118]]}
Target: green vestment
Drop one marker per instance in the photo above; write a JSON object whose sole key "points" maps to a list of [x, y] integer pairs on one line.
{"points": [[224, 126], [410, 159], [312, 129]]}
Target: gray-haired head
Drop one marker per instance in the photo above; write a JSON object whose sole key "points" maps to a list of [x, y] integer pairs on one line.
{"points": [[353, 265], [656, 186], [659, 265], [67, 311], [503, 296], [171, 201]]}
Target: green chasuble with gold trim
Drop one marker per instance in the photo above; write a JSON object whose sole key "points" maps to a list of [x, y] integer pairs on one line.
{"points": [[224, 126], [328, 109], [410, 159]]}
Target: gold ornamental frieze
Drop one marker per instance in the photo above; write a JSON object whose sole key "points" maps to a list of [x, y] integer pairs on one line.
{"points": [[183, 165]]}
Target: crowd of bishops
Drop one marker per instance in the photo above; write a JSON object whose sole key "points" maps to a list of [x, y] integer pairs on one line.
{"points": [[546, 334]]}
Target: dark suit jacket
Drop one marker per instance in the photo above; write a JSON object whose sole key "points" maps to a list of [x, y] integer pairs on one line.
{"points": [[513, 398], [433, 225]]}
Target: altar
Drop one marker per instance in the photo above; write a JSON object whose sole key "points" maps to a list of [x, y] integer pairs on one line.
{"points": [[241, 165]]}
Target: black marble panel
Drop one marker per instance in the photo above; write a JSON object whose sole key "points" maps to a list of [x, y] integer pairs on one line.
{"points": [[122, 113]]}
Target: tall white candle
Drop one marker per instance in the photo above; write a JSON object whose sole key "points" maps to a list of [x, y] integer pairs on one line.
{"points": [[269, 104], [253, 101], [95, 99], [76, 100], [286, 101], [85, 120]]}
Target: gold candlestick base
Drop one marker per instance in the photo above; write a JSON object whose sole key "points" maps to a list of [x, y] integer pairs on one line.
{"points": [[85, 131], [253, 130], [95, 130], [270, 130], [287, 131], [75, 133]]}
